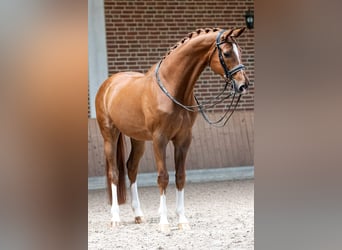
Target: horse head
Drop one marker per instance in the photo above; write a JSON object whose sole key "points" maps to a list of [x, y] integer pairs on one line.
{"points": [[225, 60]]}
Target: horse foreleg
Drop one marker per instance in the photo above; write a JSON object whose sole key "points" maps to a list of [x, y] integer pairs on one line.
{"points": [[181, 150], [159, 147], [138, 148], [163, 222], [183, 223]]}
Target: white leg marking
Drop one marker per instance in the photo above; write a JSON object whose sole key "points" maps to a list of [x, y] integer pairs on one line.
{"points": [[163, 210], [183, 223], [115, 207], [180, 206], [135, 200]]}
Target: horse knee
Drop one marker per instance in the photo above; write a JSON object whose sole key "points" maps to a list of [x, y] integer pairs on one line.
{"points": [[180, 181], [163, 180]]}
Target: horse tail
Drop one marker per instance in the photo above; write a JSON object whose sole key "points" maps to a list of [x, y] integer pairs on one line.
{"points": [[120, 161]]}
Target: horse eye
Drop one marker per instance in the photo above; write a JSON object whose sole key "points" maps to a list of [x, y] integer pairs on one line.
{"points": [[226, 54]]}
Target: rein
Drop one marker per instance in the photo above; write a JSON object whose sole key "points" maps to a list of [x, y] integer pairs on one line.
{"points": [[225, 116], [215, 100]]}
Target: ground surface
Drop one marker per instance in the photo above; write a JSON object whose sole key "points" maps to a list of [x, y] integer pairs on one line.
{"points": [[221, 216]]}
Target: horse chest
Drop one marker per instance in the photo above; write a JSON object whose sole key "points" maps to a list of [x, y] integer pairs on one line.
{"points": [[175, 123]]}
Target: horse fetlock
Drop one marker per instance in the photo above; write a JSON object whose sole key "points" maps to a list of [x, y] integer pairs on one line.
{"points": [[115, 217], [115, 221], [137, 211], [180, 211], [182, 219], [135, 205], [115, 213]]}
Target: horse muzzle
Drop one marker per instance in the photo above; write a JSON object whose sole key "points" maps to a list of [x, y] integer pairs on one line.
{"points": [[240, 87]]}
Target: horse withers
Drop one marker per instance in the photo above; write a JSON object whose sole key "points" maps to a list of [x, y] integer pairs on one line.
{"points": [[160, 106]]}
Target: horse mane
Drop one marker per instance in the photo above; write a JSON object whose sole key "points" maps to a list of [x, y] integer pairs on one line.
{"points": [[191, 35]]}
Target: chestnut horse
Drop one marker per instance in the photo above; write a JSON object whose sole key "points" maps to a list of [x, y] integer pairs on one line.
{"points": [[157, 106]]}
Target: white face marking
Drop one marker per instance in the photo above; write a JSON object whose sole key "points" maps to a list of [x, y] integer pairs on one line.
{"points": [[237, 52]]}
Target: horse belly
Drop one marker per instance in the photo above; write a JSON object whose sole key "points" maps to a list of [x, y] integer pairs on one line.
{"points": [[134, 130]]}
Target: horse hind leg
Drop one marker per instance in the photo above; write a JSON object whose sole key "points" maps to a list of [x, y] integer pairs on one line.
{"points": [[137, 151], [111, 138]]}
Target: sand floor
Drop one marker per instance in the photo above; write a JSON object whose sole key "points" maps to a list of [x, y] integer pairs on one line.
{"points": [[221, 216]]}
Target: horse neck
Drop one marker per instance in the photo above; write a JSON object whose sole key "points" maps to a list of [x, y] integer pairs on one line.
{"points": [[182, 67]]}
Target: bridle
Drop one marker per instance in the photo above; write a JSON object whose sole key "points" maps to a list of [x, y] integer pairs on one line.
{"points": [[202, 107], [228, 74]]}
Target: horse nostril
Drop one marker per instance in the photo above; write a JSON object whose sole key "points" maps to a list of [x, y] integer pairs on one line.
{"points": [[243, 87]]}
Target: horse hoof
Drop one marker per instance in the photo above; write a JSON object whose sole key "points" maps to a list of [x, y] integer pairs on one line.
{"points": [[115, 224], [138, 220], [165, 228], [184, 226]]}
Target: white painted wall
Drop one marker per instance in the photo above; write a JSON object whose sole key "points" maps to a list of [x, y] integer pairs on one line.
{"points": [[97, 49]]}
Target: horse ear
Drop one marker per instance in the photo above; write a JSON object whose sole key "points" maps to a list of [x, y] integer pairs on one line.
{"points": [[238, 32], [226, 34]]}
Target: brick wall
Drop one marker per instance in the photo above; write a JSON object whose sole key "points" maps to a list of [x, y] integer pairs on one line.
{"points": [[140, 32]]}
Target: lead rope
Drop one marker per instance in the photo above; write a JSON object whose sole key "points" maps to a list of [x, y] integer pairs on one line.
{"points": [[216, 123]]}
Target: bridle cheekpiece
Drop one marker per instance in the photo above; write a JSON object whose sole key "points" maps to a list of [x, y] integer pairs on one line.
{"points": [[228, 74]]}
